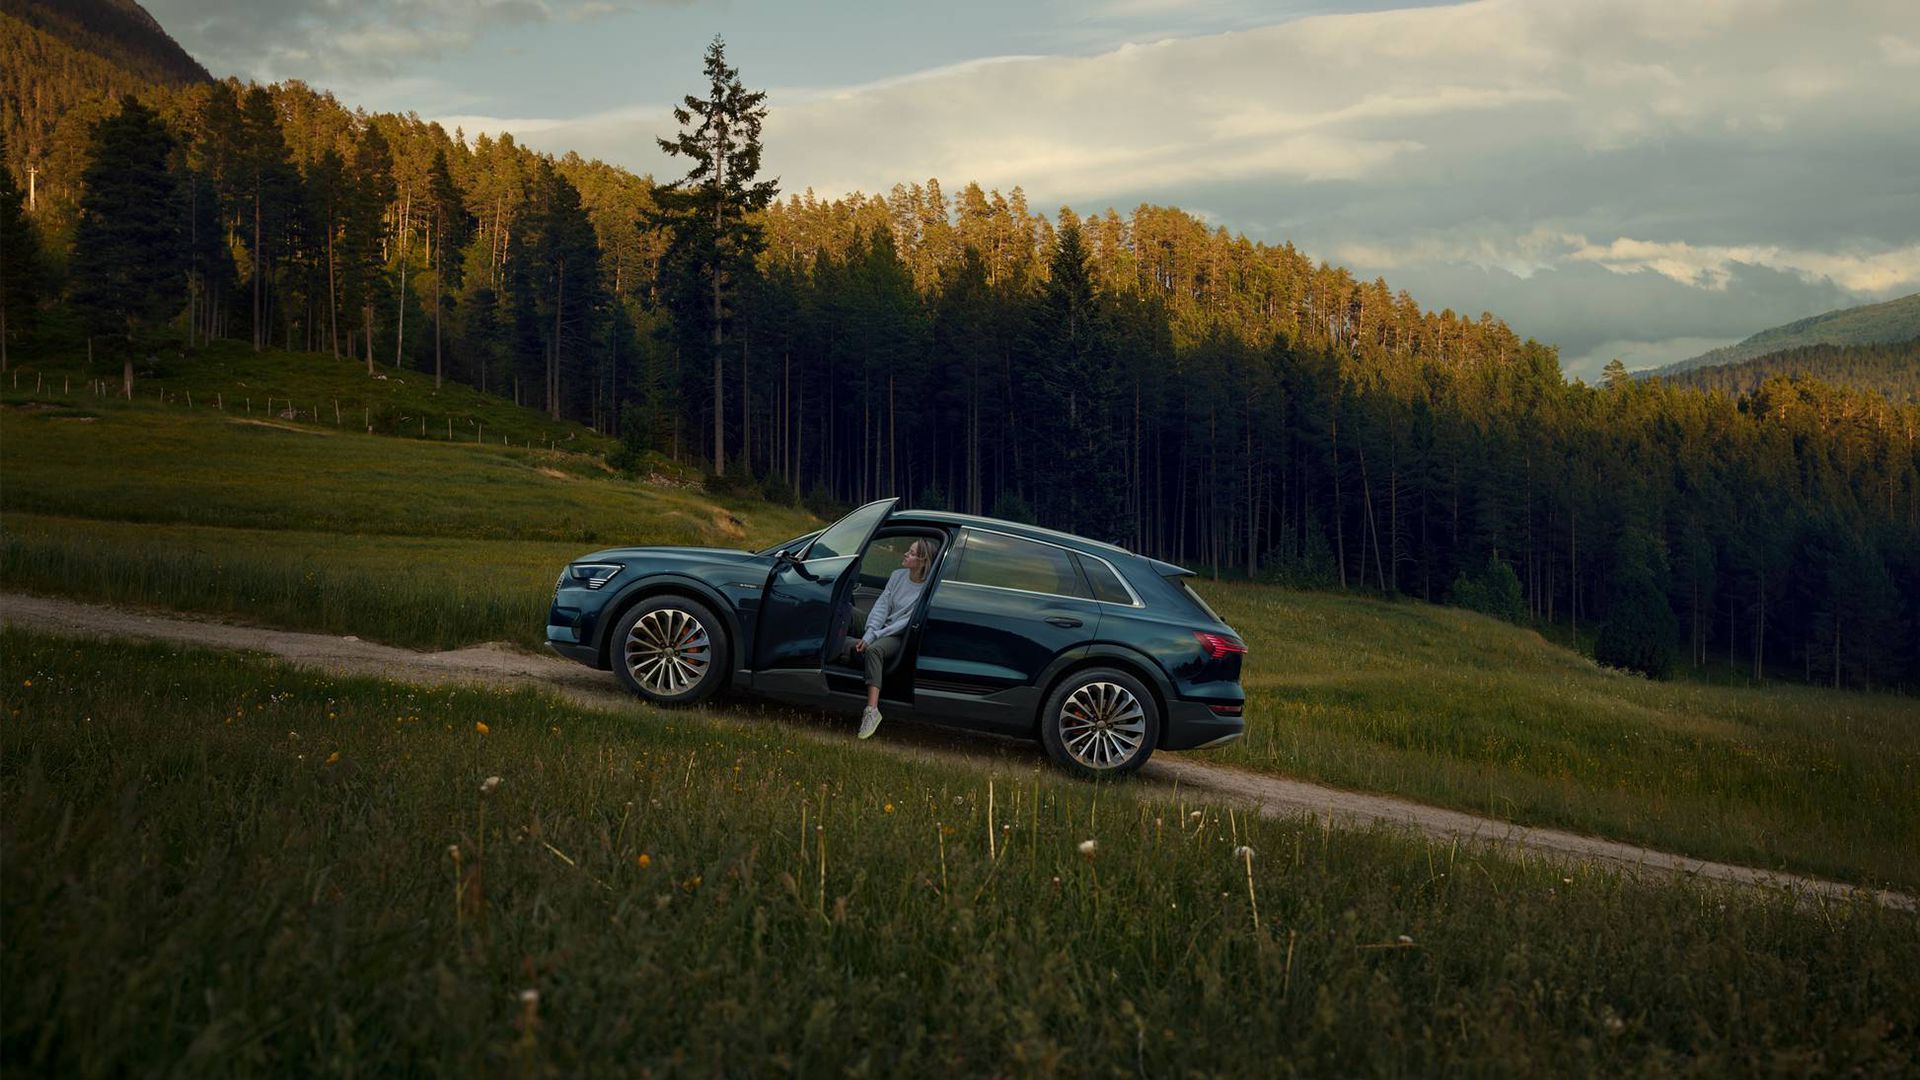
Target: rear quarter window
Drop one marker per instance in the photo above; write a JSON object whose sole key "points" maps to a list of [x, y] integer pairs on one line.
{"points": [[1181, 584], [1105, 583]]}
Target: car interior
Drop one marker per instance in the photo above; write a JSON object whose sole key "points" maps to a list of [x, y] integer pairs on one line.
{"points": [[881, 559]]}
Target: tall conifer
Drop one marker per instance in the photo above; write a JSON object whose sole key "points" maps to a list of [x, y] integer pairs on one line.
{"points": [[714, 239]]}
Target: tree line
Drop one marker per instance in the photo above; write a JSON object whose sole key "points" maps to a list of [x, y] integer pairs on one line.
{"points": [[1891, 370], [1141, 378]]}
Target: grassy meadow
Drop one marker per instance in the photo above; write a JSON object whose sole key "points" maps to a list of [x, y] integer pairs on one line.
{"points": [[311, 390], [437, 545], [1454, 708], [221, 865]]}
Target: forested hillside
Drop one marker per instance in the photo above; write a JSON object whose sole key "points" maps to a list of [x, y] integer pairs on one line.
{"points": [[1135, 376], [118, 31], [1892, 371], [1873, 324]]}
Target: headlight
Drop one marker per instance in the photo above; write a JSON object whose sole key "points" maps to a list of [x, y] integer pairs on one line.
{"points": [[592, 575]]}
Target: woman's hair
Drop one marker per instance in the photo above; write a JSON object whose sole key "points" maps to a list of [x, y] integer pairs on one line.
{"points": [[926, 548]]}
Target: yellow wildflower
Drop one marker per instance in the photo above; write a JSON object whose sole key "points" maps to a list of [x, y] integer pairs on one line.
{"points": [[481, 726], [643, 860]]}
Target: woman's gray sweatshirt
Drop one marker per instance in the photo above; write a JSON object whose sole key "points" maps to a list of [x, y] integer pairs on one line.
{"points": [[894, 608]]}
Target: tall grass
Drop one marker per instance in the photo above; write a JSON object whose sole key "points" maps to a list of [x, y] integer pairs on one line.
{"points": [[215, 864], [174, 466], [311, 390], [423, 592], [1459, 709]]}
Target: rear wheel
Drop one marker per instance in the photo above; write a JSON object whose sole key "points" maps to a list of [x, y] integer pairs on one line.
{"points": [[671, 650], [1100, 722]]}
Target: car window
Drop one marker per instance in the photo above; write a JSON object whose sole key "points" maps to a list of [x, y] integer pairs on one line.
{"points": [[1181, 584], [845, 536], [883, 558], [794, 544], [1007, 562], [1106, 584]]}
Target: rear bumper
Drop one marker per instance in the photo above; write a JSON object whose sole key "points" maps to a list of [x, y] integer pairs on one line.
{"points": [[1192, 725]]}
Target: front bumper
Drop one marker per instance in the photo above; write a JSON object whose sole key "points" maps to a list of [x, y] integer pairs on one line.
{"points": [[1192, 725], [585, 654]]}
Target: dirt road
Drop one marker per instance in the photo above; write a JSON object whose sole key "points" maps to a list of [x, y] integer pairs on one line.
{"points": [[499, 665]]}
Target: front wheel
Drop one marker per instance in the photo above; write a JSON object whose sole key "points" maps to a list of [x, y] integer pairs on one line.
{"points": [[671, 650], [1100, 722]]}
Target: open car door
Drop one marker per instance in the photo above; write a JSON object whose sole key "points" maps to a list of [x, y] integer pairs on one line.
{"points": [[807, 587]]}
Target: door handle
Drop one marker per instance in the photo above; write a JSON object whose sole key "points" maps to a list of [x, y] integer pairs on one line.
{"points": [[1064, 621]]}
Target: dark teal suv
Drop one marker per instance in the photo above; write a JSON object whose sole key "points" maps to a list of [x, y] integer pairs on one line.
{"points": [[1101, 654]]}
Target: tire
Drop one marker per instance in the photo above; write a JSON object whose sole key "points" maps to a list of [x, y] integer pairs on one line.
{"points": [[671, 650], [1100, 722]]}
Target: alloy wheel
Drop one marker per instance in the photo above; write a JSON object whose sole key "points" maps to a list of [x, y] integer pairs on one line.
{"points": [[1102, 725], [668, 652]]}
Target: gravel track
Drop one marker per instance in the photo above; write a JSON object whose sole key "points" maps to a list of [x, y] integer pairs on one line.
{"points": [[502, 665]]}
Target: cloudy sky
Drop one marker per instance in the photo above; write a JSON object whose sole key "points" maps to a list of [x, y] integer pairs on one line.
{"points": [[1636, 178]]}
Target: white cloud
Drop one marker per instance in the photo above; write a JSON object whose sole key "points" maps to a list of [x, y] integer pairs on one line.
{"points": [[1635, 141], [1639, 355], [344, 43], [1713, 266]]}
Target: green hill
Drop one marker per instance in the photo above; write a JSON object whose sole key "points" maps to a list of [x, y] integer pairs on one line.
{"points": [[751, 883], [1891, 370], [289, 517], [118, 31], [1874, 324]]}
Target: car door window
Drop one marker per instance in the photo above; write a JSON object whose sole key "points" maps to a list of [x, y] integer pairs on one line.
{"points": [[845, 536], [882, 559], [1007, 562]]}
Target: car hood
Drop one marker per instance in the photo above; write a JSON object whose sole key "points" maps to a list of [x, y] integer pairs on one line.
{"points": [[676, 554]]}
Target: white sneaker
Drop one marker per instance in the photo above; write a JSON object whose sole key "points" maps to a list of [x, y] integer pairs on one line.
{"points": [[869, 722]]}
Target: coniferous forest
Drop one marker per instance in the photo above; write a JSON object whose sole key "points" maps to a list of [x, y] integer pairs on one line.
{"points": [[1138, 377]]}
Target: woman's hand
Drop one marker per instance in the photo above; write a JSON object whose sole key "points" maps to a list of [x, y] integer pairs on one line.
{"points": [[859, 646]]}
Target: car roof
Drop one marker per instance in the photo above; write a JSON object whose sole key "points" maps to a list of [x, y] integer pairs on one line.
{"points": [[1034, 532]]}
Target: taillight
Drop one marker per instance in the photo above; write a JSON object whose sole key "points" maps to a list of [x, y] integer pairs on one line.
{"points": [[1226, 710], [1218, 645]]}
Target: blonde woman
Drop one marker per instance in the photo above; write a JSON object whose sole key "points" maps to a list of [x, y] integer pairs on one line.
{"points": [[886, 631]]}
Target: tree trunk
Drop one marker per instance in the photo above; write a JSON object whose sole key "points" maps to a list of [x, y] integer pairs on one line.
{"points": [[553, 362], [1339, 515], [400, 321], [438, 368], [259, 330], [333, 298], [746, 407]]}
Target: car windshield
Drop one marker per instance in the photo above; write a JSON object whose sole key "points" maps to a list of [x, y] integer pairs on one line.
{"points": [[794, 544]]}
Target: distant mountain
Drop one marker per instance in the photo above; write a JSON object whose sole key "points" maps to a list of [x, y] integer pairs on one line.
{"points": [[1874, 324], [119, 31], [1892, 371]]}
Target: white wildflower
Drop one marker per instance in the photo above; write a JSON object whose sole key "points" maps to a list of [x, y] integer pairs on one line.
{"points": [[489, 785]]}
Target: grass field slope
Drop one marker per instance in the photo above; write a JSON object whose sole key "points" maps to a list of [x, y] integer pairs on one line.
{"points": [[215, 864], [437, 543]]}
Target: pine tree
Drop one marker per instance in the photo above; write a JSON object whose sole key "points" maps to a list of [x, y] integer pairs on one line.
{"points": [[452, 227], [127, 264], [363, 267], [1640, 629], [19, 260], [272, 189], [714, 240]]}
